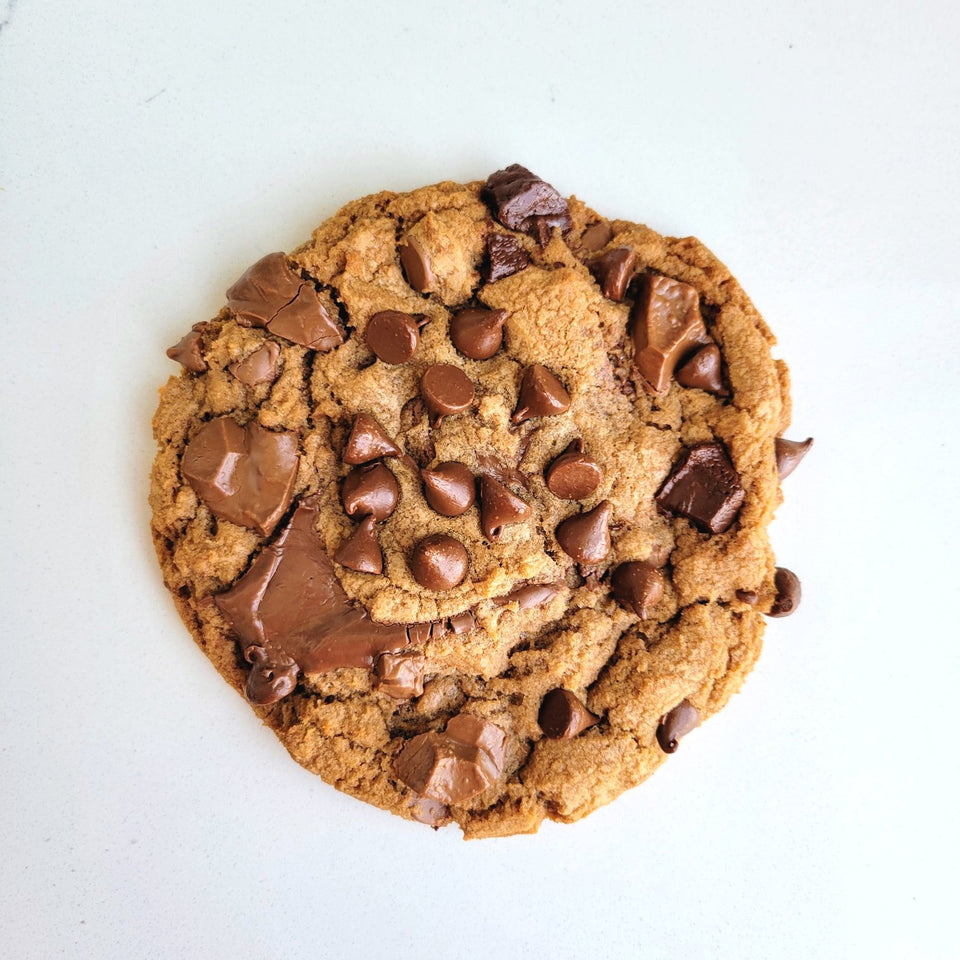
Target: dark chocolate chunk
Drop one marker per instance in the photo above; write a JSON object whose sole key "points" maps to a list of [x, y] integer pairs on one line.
{"points": [[789, 454], [573, 475], [446, 390], [261, 366], [400, 675], [478, 332], [638, 586], [505, 257], [520, 200], [416, 265], [450, 488], [541, 395], [498, 507], [586, 536], [703, 371], [361, 551], [683, 718], [370, 491], [788, 593], [243, 474], [563, 715], [393, 336], [368, 441], [614, 270], [439, 562], [187, 352], [704, 488]]}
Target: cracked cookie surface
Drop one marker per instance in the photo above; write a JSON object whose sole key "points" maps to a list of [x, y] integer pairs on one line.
{"points": [[469, 494]]}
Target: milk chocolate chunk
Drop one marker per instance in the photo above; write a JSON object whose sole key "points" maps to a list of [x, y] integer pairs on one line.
{"points": [[788, 593], [463, 622], [505, 257], [586, 537], [187, 352], [683, 718], [454, 766], [703, 371], [596, 236], [637, 586], [305, 320], [790, 453], [449, 488], [271, 677], [400, 675], [531, 595], [614, 270], [261, 366], [416, 265], [541, 395], [291, 605], [498, 507], [563, 715], [368, 441], [704, 488], [666, 325], [370, 491], [243, 474], [446, 390], [478, 332], [361, 551], [393, 336], [439, 562], [520, 200], [573, 475]]}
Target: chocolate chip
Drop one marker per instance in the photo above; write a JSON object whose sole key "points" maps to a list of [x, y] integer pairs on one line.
{"points": [[450, 488], [505, 257], [446, 389], [586, 536], [370, 491], [704, 488], [271, 677], [666, 324], [683, 718], [788, 593], [614, 270], [703, 372], [531, 595], [789, 454], [439, 562], [573, 475], [361, 551], [261, 366], [748, 596], [541, 395], [454, 766], [368, 441], [596, 236], [563, 715], [416, 266], [400, 675], [187, 351], [637, 586], [393, 336], [478, 332], [243, 474], [498, 507], [520, 200]]}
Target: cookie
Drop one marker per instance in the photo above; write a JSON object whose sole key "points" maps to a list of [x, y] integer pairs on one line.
{"points": [[468, 495]]}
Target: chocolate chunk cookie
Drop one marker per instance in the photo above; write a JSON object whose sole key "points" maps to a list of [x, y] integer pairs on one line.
{"points": [[468, 495]]}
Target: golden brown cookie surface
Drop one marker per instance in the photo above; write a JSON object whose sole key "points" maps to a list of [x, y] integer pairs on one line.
{"points": [[469, 494]]}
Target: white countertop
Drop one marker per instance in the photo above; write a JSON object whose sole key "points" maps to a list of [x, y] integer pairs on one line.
{"points": [[150, 152]]}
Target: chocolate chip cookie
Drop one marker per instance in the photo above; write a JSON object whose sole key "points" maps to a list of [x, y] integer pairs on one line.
{"points": [[468, 495]]}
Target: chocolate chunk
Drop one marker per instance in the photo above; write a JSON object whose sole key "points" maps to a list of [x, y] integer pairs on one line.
{"points": [[498, 507], [439, 562], [563, 715], [614, 270], [446, 389], [368, 441], [400, 675], [291, 605], [666, 324], [531, 595], [272, 294], [520, 200], [704, 488], [683, 718], [586, 537], [703, 371], [454, 766], [187, 352], [393, 336], [416, 266], [450, 488], [790, 453], [243, 474], [261, 366], [478, 332], [573, 475], [638, 586], [596, 236], [541, 395], [463, 622], [788, 593], [361, 551], [270, 678], [430, 812], [370, 491], [505, 257]]}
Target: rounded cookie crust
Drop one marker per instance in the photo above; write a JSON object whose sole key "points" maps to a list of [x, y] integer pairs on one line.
{"points": [[374, 660]]}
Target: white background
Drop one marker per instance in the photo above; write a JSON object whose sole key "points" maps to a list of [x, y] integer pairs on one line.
{"points": [[150, 151]]}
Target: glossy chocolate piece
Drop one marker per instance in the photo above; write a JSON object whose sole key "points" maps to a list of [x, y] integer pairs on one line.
{"points": [[703, 371], [596, 236], [478, 332], [416, 266], [789, 453], [393, 336], [446, 390], [361, 550], [573, 475], [450, 488], [498, 507], [531, 595], [563, 715], [261, 366], [368, 441], [187, 351], [788, 593], [541, 395], [370, 491], [683, 718], [521, 201], [400, 675], [704, 488], [637, 586], [439, 562], [614, 270], [505, 257], [586, 536]]}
